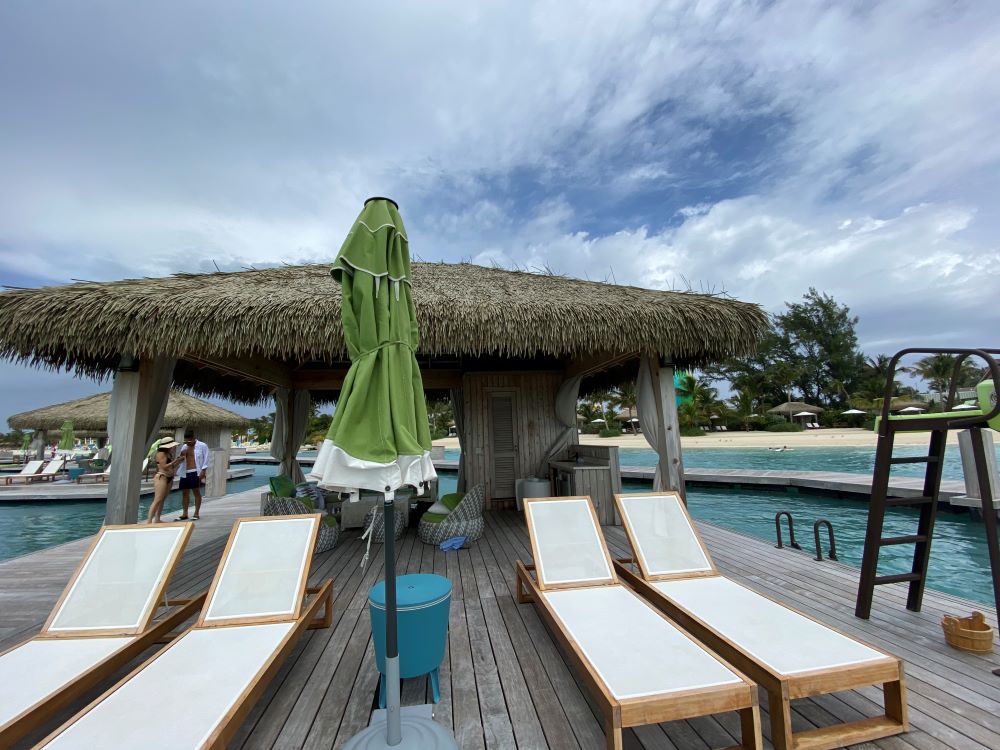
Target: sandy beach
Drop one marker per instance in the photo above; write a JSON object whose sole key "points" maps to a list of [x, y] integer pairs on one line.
{"points": [[825, 438]]}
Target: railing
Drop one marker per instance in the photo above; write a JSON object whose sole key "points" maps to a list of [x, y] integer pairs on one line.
{"points": [[954, 423], [833, 542], [791, 530]]}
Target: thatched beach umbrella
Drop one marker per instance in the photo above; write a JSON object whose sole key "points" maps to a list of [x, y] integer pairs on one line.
{"points": [[790, 408], [380, 439]]}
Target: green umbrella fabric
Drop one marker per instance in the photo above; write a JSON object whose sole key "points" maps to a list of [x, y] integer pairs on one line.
{"points": [[66, 440], [379, 439]]}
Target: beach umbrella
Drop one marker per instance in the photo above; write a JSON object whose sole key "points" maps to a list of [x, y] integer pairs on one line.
{"points": [[963, 407], [595, 421], [853, 411], [66, 438], [910, 410], [803, 414], [380, 438]]}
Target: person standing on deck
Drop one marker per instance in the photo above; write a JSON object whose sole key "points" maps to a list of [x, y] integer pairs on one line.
{"points": [[196, 457]]}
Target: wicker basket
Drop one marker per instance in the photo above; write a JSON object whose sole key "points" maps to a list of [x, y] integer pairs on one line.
{"points": [[971, 633]]}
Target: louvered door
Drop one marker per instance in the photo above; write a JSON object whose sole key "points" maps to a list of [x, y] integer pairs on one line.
{"points": [[504, 442]]}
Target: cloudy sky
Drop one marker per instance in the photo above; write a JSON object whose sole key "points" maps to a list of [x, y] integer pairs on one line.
{"points": [[756, 148]]}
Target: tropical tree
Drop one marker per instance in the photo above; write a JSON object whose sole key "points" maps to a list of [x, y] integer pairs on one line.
{"points": [[700, 394], [744, 403], [936, 370]]}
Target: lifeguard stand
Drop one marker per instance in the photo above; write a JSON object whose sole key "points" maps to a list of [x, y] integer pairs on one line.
{"points": [[887, 426]]}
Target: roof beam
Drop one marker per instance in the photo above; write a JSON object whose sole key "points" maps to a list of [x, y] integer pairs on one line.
{"points": [[257, 370], [332, 379], [595, 363]]}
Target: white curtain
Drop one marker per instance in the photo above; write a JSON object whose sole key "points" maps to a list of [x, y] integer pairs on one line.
{"points": [[458, 413], [291, 420], [651, 422], [565, 409]]}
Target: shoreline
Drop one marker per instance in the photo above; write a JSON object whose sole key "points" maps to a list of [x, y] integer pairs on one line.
{"points": [[846, 437]]}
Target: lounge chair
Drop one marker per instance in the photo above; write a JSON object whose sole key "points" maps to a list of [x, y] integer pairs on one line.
{"points": [[102, 621], [30, 469], [254, 615], [638, 666], [789, 654], [52, 470]]}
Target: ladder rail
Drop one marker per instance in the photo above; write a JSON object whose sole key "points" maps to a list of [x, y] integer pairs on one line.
{"points": [[928, 515]]}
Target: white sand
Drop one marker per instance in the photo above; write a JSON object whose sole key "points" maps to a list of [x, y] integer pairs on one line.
{"points": [[823, 438]]}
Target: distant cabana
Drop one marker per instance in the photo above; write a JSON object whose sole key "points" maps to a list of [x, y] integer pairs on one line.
{"points": [[794, 408], [512, 349], [89, 416]]}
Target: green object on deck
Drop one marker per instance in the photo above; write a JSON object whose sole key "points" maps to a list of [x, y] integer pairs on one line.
{"points": [[987, 395], [942, 415], [282, 486]]}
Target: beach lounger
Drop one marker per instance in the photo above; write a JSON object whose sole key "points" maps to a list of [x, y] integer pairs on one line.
{"points": [[30, 469], [52, 470], [789, 654], [102, 621], [638, 666], [255, 612]]}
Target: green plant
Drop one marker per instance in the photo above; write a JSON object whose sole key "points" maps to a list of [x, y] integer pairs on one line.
{"points": [[784, 427], [609, 432], [692, 432]]}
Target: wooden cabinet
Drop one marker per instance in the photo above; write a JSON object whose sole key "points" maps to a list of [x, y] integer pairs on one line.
{"points": [[592, 471]]}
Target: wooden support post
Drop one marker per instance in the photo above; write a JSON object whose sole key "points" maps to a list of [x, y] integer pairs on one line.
{"points": [[667, 426], [129, 419], [38, 442], [218, 469]]}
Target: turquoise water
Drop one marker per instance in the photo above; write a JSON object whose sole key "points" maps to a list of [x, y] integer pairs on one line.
{"points": [[28, 527]]}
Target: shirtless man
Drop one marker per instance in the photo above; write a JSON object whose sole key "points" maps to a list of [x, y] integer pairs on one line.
{"points": [[195, 454]]}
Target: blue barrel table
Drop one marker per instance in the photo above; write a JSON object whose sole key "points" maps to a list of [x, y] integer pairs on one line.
{"points": [[422, 603]]}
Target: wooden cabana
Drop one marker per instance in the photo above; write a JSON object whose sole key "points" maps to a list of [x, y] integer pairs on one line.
{"points": [[89, 416], [512, 349]]}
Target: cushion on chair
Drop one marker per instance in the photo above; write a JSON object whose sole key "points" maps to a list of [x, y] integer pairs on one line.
{"points": [[439, 509], [451, 500], [429, 517], [282, 486]]}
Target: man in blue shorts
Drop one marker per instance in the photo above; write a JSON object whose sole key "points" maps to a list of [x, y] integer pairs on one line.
{"points": [[196, 456]]}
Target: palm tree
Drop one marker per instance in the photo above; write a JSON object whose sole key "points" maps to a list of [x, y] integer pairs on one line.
{"points": [[699, 393], [744, 404], [935, 370], [623, 398]]}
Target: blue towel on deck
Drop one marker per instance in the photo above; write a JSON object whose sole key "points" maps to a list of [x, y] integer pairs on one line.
{"points": [[456, 542]]}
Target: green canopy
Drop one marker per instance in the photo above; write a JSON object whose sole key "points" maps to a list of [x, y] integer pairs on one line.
{"points": [[380, 439], [66, 440]]}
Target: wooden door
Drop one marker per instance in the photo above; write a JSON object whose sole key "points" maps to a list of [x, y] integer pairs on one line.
{"points": [[504, 441]]}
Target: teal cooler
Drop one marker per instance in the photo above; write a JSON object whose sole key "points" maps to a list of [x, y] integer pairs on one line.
{"points": [[422, 603]]}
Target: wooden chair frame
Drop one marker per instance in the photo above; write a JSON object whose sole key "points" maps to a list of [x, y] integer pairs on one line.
{"points": [[622, 714], [781, 688], [149, 634], [307, 617]]}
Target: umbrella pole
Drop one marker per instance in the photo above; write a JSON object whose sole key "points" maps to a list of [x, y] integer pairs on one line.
{"points": [[393, 729]]}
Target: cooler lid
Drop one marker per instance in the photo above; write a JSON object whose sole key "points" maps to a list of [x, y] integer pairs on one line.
{"points": [[413, 591]]}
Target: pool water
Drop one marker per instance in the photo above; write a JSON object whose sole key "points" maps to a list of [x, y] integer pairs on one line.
{"points": [[28, 527]]}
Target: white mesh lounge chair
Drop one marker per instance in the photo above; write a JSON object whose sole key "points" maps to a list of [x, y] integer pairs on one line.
{"points": [[639, 667], [52, 470], [102, 621], [30, 469], [789, 654], [255, 613]]}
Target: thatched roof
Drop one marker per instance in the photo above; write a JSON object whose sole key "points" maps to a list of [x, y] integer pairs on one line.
{"points": [[794, 407], [90, 414], [292, 314]]}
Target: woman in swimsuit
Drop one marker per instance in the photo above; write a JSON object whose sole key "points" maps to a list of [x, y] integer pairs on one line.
{"points": [[163, 480]]}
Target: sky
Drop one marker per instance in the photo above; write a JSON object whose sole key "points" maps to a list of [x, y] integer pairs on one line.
{"points": [[751, 148]]}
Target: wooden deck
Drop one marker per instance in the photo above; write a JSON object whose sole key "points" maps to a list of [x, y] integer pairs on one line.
{"points": [[504, 683]]}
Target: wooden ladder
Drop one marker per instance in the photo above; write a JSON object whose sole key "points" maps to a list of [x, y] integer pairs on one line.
{"points": [[880, 500], [927, 501]]}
